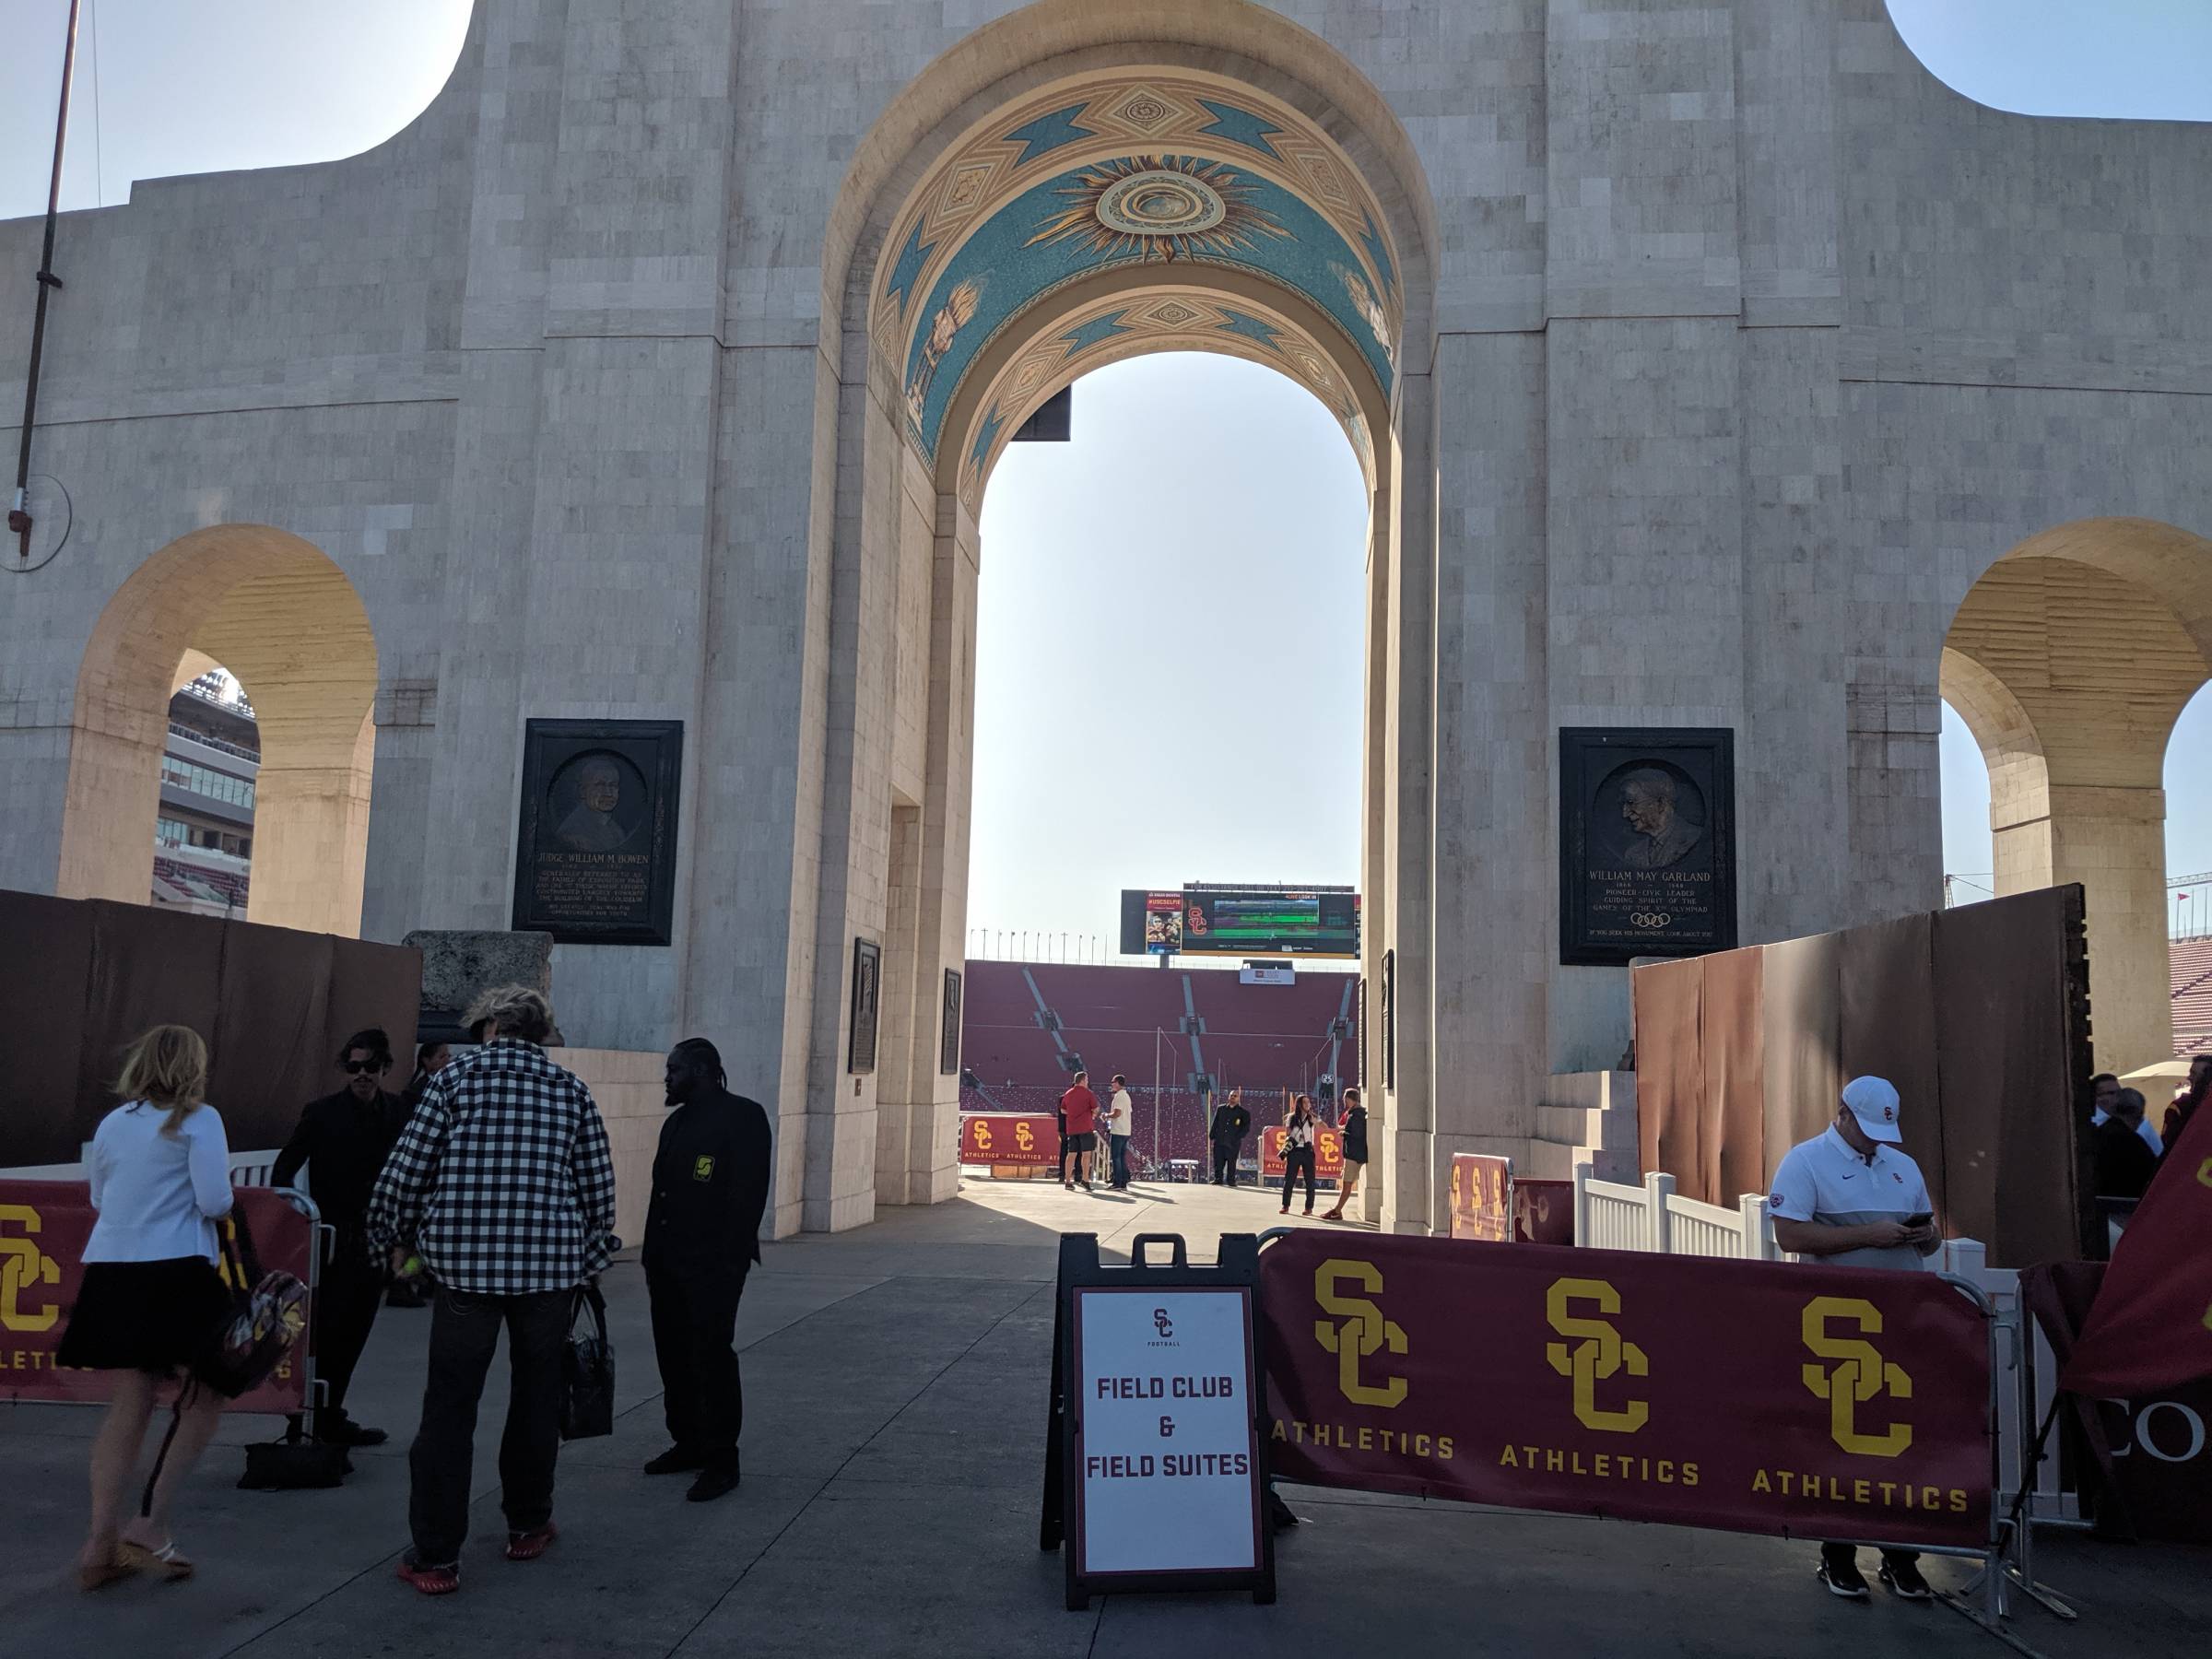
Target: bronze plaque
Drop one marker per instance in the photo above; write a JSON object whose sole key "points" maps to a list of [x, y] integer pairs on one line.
{"points": [[948, 1040], [1647, 842], [868, 987], [595, 860]]}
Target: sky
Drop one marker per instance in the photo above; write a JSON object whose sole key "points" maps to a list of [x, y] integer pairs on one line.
{"points": [[1169, 656]]}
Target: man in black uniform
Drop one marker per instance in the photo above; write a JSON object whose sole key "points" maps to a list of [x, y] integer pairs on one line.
{"points": [[702, 1235], [343, 1139], [1231, 1124]]}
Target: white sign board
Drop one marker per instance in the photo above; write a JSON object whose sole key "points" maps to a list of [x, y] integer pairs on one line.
{"points": [[1162, 1397]]}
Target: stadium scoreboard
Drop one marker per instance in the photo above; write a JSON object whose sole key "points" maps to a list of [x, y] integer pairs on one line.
{"points": [[1241, 921]]}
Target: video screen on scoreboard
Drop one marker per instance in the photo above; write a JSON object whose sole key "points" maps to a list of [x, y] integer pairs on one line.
{"points": [[1151, 923], [1241, 921]]}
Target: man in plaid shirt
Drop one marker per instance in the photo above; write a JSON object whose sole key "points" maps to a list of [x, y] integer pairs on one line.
{"points": [[503, 1184]]}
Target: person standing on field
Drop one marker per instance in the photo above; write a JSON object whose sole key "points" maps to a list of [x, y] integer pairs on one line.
{"points": [[1120, 1116], [1079, 1112]]}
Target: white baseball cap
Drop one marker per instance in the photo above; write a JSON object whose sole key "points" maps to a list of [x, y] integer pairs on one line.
{"points": [[1873, 1102]]}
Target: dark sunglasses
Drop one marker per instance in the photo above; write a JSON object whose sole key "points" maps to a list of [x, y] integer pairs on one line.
{"points": [[362, 1066]]}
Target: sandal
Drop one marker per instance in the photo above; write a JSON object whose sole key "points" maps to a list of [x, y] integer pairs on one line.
{"points": [[112, 1570], [163, 1561]]}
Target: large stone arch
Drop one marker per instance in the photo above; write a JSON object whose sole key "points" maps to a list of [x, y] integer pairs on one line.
{"points": [[278, 614], [2069, 659], [1025, 109]]}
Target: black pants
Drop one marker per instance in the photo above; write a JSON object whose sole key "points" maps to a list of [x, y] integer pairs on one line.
{"points": [[464, 1329], [346, 1298], [1225, 1162], [694, 1338], [1847, 1555], [1297, 1160]]}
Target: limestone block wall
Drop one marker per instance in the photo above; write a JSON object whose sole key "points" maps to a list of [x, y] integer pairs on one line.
{"points": [[629, 1087]]}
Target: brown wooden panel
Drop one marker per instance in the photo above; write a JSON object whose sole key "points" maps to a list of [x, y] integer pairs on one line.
{"points": [[1801, 1017], [2011, 1145], [50, 945], [1733, 1037], [149, 967], [1669, 1071], [1888, 1030], [275, 1035]]}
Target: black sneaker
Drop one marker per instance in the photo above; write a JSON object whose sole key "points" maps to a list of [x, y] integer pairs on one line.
{"points": [[341, 1431], [1902, 1580], [1843, 1579], [714, 1481], [677, 1460]]}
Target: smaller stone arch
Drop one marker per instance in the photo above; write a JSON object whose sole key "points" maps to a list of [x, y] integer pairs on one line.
{"points": [[2070, 660], [278, 613]]}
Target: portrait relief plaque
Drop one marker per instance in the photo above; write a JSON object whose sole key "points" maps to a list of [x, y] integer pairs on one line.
{"points": [[595, 848], [948, 1041], [867, 977], [1647, 842]]}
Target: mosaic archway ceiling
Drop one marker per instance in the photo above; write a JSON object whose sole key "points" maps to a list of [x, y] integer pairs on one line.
{"points": [[1130, 325], [1170, 170]]}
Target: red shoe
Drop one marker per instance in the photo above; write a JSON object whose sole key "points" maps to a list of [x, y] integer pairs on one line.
{"points": [[431, 1581], [529, 1545]]}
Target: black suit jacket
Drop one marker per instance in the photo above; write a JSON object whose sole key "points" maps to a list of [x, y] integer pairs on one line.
{"points": [[344, 1144], [710, 1185]]}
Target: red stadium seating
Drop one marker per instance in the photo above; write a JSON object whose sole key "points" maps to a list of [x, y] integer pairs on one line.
{"points": [[1264, 1039], [2192, 969]]}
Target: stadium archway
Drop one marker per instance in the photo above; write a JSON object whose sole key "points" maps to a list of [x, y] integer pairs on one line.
{"points": [[276, 612], [1070, 186], [2070, 660]]}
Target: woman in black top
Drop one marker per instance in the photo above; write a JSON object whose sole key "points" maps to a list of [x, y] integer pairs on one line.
{"points": [[1354, 1128], [1298, 1148]]}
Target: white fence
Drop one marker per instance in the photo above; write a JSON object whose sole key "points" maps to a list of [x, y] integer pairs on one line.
{"points": [[1653, 1217]]}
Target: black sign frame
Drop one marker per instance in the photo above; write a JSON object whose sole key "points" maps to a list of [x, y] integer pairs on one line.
{"points": [[652, 750], [1591, 760], [1236, 1267], [867, 1002], [948, 1038]]}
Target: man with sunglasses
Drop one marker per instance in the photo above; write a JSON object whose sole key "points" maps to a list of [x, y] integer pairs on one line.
{"points": [[343, 1139]]}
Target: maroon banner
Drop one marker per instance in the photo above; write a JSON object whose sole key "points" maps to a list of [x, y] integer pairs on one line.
{"points": [[1544, 1211], [1009, 1138], [43, 1226], [1482, 1197], [1328, 1153], [1752, 1397], [2151, 1327]]}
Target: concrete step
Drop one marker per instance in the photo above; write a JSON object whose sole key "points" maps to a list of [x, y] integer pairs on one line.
{"points": [[1586, 1126]]}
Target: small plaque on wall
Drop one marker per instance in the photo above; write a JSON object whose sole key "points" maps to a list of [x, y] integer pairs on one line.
{"points": [[949, 1042], [867, 977], [1647, 842], [595, 850]]}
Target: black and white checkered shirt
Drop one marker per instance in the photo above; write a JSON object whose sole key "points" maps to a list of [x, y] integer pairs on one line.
{"points": [[503, 1179]]}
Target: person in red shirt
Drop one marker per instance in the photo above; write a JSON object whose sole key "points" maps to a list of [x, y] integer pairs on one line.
{"points": [[1079, 1112]]}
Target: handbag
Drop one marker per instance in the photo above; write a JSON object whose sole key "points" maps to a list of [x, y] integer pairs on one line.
{"points": [[268, 1313], [587, 1396]]}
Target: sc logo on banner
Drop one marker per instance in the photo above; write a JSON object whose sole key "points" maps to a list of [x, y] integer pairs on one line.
{"points": [[24, 1268], [1859, 1375], [1599, 1355], [1362, 1334]]}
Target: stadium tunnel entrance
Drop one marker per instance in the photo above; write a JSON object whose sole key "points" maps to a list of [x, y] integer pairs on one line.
{"points": [[1248, 195]]}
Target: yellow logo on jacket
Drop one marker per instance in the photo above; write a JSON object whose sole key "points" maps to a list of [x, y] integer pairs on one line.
{"points": [[702, 1167], [1600, 1354], [24, 1268], [1860, 1373], [1363, 1333]]}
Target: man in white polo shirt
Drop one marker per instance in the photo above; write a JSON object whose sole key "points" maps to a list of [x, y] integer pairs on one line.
{"points": [[1850, 1198]]}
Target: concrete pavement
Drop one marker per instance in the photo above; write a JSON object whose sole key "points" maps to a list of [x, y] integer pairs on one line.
{"points": [[895, 1380]]}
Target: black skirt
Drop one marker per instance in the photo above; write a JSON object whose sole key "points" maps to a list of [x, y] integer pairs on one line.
{"points": [[162, 1318]]}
